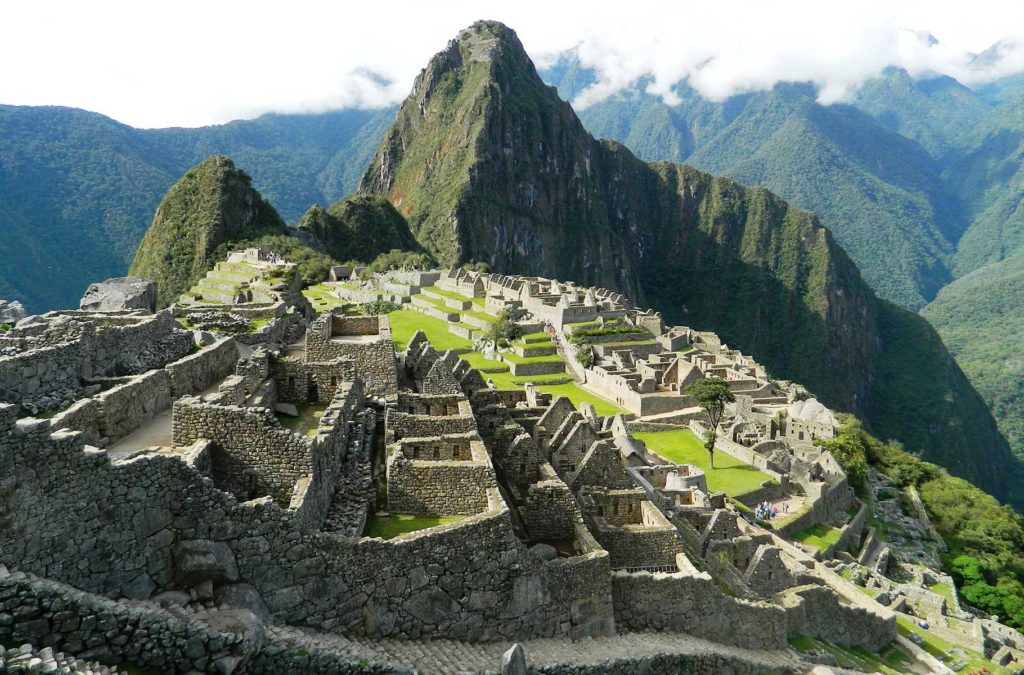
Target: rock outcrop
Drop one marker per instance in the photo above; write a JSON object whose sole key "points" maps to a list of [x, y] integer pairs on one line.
{"points": [[11, 312], [120, 293]]}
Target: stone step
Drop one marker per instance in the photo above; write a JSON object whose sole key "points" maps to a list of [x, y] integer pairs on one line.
{"points": [[535, 349]]}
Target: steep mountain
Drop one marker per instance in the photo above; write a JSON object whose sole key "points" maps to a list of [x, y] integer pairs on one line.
{"points": [[990, 176], [881, 193], [72, 181], [358, 227], [980, 317], [936, 112], [211, 204], [487, 163]]}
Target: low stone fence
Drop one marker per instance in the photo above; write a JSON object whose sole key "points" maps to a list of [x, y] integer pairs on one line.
{"points": [[197, 372], [692, 603], [92, 627], [817, 612]]}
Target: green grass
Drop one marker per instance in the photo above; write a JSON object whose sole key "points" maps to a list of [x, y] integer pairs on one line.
{"points": [[536, 337], [819, 536], [482, 363], [456, 296], [321, 298], [405, 322], [307, 421], [578, 395], [259, 323], [391, 526], [943, 589], [730, 475], [627, 343], [891, 660], [515, 358], [939, 648]]}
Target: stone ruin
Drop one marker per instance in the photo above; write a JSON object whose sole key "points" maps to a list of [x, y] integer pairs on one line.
{"points": [[206, 504]]}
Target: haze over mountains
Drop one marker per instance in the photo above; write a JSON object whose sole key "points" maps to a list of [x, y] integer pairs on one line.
{"points": [[902, 191]]}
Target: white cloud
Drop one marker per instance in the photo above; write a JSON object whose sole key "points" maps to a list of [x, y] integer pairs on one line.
{"points": [[193, 62]]}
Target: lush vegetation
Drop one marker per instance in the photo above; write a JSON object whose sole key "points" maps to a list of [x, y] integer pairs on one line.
{"points": [[985, 539], [396, 259], [712, 394], [503, 331], [313, 266], [379, 307], [358, 227], [981, 319], [212, 204], [729, 475], [78, 189]]}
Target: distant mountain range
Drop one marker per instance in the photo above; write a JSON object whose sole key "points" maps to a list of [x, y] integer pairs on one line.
{"points": [[919, 180], [77, 189]]}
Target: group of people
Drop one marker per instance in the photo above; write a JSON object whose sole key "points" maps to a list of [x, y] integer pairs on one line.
{"points": [[768, 511]]}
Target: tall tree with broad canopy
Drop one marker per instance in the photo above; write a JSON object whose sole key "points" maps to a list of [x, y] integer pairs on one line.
{"points": [[712, 393]]}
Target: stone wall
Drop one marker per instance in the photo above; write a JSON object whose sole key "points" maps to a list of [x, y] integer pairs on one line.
{"points": [[550, 511], [197, 372], [120, 522], [48, 613], [816, 611], [403, 425], [639, 547], [694, 604], [701, 663], [252, 456], [83, 416], [442, 488], [40, 372], [375, 361], [127, 407], [298, 381]]}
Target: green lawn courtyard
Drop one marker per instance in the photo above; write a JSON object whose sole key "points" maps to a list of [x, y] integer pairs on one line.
{"points": [[819, 536], [395, 524], [730, 475]]}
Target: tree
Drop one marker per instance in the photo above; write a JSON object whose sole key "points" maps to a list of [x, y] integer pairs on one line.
{"points": [[712, 393]]}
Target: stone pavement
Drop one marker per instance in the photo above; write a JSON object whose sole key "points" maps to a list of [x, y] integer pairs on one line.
{"points": [[449, 657]]}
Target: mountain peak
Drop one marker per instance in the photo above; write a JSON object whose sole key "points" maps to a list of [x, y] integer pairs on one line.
{"points": [[212, 203]]}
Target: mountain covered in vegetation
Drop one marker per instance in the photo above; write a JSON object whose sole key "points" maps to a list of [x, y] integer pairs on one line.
{"points": [[359, 227], [211, 204], [905, 176], [488, 164], [78, 189]]}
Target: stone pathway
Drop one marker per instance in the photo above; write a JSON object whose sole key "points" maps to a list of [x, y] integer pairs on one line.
{"points": [[448, 657]]}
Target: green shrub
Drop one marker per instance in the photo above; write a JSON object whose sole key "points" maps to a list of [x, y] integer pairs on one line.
{"points": [[6, 326], [585, 356], [379, 307], [985, 539], [503, 331], [396, 259]]}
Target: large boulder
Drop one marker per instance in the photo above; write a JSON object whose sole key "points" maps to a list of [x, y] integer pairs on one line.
{"points": [[200, 560], [120, 293], [11, 312]]}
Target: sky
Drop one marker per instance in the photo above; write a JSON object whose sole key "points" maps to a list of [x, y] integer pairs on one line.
{"points": [[156, 63]]}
